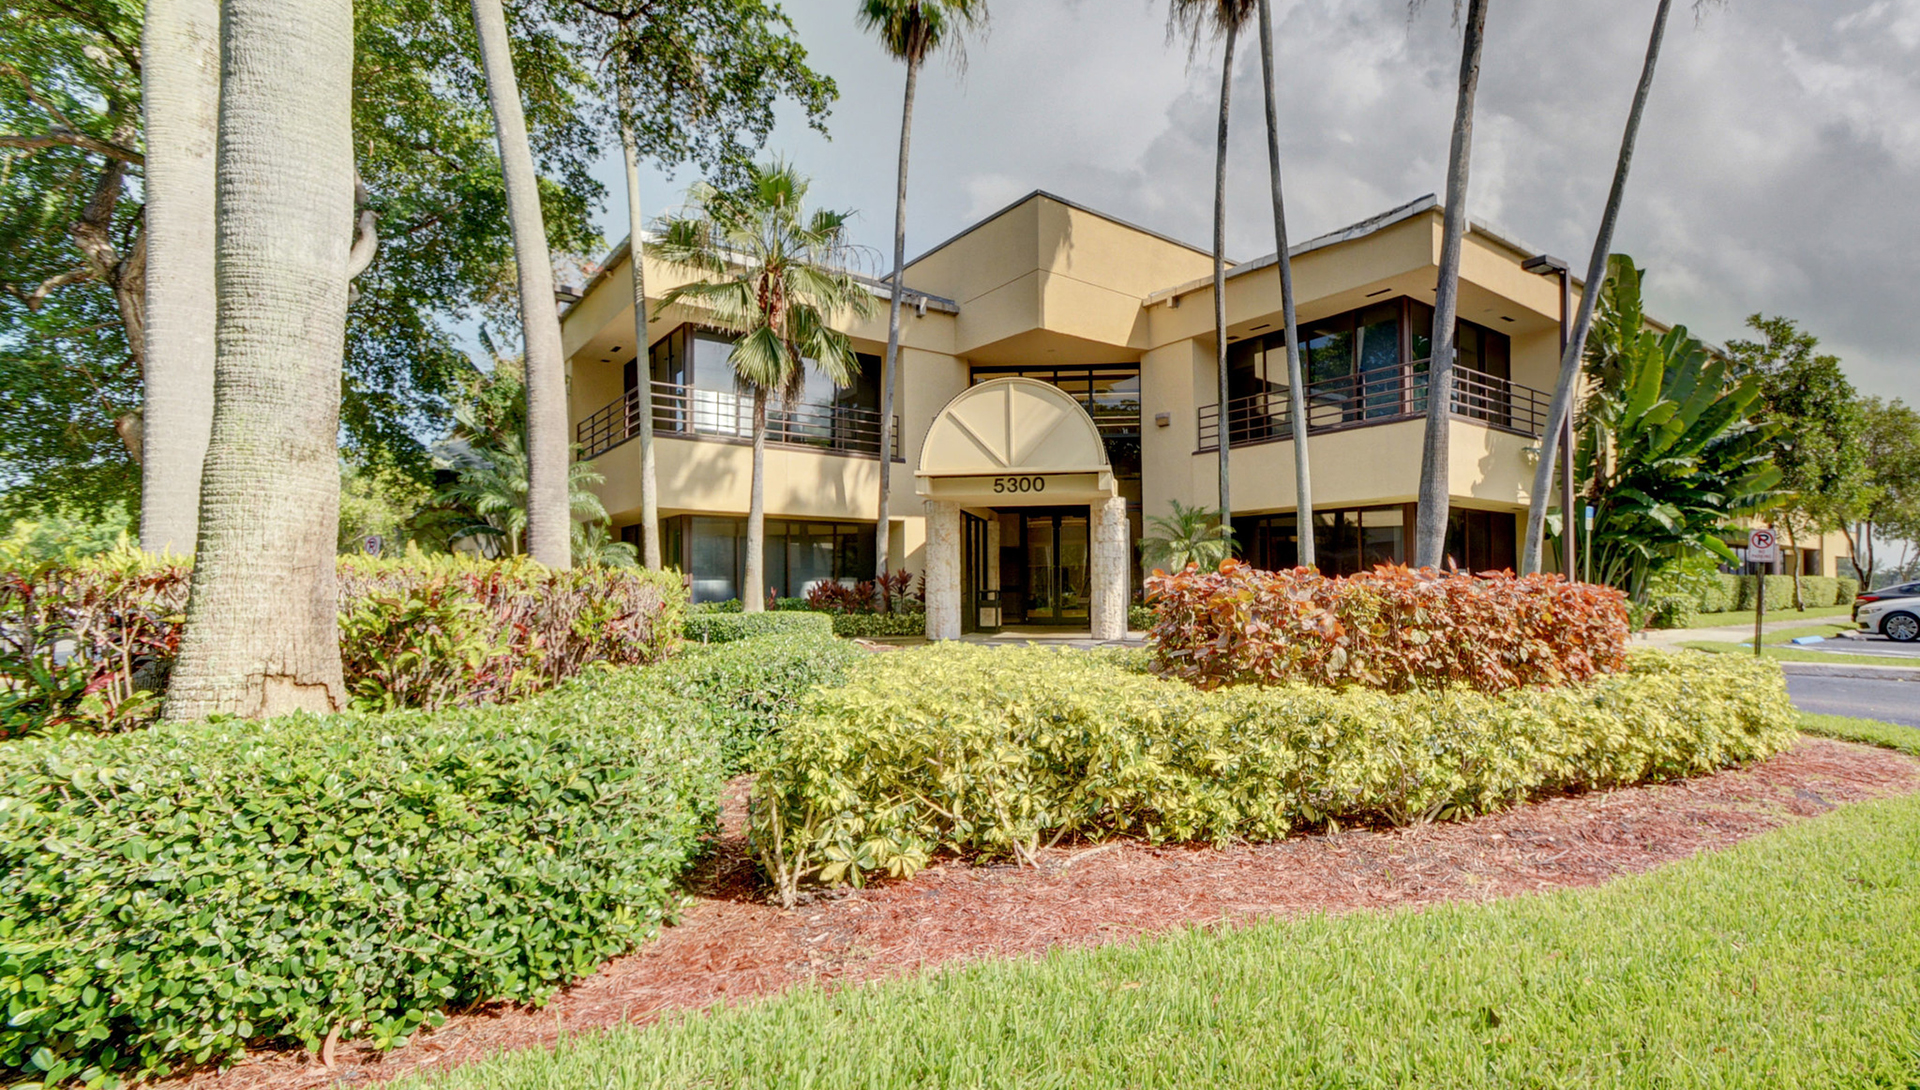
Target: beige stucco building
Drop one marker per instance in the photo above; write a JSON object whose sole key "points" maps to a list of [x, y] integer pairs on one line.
{"points": [[1023, 501]]}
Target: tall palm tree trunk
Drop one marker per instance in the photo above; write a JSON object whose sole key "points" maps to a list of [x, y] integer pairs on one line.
{"points": [[1435, 479], [642, 340], [753, 596], [1562, 403], [1220, 277], [549, 518], [180, 89], [882, 538], [1296, 387], [262, 633]]}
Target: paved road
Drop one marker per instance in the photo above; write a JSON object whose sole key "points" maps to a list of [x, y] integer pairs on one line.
{"points": [[1865, 698]]}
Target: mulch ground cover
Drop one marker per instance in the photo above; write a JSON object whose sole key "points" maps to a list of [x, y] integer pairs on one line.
{"points": [[731, 945]]}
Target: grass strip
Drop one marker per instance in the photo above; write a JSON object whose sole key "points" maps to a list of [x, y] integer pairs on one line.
{"points": [[1786, 961], [1776, 613], [1871, 731], [1795, 654]]}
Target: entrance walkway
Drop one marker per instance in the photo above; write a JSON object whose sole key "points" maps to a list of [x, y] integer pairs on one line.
{"points": [[1052, 637]]}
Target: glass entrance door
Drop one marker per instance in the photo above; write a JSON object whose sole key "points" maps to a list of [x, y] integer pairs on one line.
{"points": [[1058, 554]]}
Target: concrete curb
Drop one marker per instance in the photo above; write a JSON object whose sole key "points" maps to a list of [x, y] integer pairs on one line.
{"points": [[1874, 673]]}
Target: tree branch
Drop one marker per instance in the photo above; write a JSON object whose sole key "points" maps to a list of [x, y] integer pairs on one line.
{"points": [[33, 299], [61, 137], [367, 242]]}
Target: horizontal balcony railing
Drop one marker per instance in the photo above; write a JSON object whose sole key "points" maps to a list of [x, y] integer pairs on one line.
{"points": [[1382, 396], [680, 411]]}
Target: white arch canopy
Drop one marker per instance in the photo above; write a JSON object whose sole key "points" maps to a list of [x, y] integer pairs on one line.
{"points": [[1014, 442]]}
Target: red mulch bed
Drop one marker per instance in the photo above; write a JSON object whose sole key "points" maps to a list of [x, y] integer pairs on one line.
{"points": [[731, 945]]}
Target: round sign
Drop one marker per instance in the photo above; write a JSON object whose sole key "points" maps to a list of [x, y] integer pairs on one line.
{"points": [[1760, 540]]}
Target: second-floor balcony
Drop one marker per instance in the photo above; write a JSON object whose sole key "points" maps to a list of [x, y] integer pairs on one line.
{"points": [[1381, 396], [679, 411]]}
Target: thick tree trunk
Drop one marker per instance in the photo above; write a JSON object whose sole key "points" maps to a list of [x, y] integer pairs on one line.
{"points": [[753, 595], [262, 635], [1296, 388], [642, 340], [1430, 536], [1220, 279], [881, 537], [1576, 346], [180, 87], [549, 518]]}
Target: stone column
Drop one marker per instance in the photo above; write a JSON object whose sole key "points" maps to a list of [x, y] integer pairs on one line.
{"points": [[943, 570], [1108, 612]]}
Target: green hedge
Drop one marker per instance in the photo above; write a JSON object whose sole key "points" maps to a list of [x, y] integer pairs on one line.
{"points": [[861, 625], [727, 627], [1140, 618], [996, 751], [172, 895]]}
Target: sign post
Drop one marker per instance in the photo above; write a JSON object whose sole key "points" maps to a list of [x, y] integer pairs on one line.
{"points": [[1762, 548]]}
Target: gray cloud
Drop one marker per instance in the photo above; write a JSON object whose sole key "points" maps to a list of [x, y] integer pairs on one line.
{"points": [[1776, 171]]}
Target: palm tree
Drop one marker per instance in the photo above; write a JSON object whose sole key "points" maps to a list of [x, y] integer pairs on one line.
{"points": [[1195, 19], [769, 272], [547, 446], [1430, 535], [180, 93], [1296, 389], [1583, 320], [1191, 535], [910, 30], [262, 634]]}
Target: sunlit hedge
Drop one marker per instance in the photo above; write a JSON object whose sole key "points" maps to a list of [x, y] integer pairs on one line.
{"points": [[999, 751]]}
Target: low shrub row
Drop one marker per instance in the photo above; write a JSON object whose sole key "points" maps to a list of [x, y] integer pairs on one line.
{"points": [[1393, 628], [866, 625], [90, 646], [999, 751], [170, 896], [1719, 592], [719, 627]]}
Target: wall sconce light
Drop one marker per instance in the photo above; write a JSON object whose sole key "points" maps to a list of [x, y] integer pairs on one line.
{"points": [[1161, 420]]}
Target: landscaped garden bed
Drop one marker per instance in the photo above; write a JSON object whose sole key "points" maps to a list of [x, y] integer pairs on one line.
{"points": [[1695, 929]]}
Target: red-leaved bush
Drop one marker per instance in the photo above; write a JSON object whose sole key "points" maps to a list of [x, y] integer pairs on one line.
{"points": [[1392, 628]]}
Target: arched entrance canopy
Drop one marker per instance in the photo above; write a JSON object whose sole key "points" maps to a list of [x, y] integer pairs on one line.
{"points": [[1014, 442]]}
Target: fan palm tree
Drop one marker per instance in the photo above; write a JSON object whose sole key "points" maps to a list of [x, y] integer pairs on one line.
{"points": [[1430, 535], [769, 272], [1583, 320], [1296, 389], [1191, 535], [1194, 20], [547, 446], [910, 30]]}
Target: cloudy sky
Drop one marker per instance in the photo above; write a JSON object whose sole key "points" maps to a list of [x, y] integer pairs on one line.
{"points": [[1776, 170]]}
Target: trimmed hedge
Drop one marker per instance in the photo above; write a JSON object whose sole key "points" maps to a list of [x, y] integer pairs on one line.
{"points": [[1392, 628], [421, 632], [999, 751], [727, 627], [863, 625], [170, 896], [1141, 618]]}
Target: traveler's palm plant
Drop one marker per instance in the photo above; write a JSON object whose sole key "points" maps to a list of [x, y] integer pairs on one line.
{"points": [[1189, 535], [1666, 451], [771, 273]]}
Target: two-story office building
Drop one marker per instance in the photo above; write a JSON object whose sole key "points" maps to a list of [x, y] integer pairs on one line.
{"points": [[1057, 386]]}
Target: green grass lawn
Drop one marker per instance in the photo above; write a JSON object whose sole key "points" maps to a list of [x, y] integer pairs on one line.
{"points": [[1787, 961], [1796, 654], [1775, 612]]}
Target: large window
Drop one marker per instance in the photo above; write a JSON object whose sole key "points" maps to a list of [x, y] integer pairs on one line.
{"points": [[1110, 394], [1344, 541], [707, 399], [800, 554]]}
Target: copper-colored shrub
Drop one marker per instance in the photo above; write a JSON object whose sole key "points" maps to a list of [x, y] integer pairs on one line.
{"points": [[1392, 628]]}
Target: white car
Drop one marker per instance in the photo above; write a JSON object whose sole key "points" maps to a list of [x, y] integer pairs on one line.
{"points": [[1895, 618]]}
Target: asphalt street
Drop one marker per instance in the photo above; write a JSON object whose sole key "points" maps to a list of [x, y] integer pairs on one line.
{"points": [[1864, 698]]}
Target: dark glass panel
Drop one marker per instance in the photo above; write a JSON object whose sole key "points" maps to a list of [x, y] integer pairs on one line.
{"points": [[1378, 349]]}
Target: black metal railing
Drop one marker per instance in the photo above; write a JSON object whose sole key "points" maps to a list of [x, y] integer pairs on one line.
{"points": [[1381, 396], [680, 411]]}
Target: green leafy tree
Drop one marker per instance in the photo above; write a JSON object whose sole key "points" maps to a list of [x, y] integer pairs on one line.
{"points": [[1890, 503], [693, 81], [1190, 535], [72, 236], [1666, 449], [771, 273], [910, 30], [1818, 430]]}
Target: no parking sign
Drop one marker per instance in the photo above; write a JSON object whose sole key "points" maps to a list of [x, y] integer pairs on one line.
{"points": [[1763, 547]]}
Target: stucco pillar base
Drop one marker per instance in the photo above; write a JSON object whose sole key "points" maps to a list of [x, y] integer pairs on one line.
{"points": [[943, 570], [1108, 609]]}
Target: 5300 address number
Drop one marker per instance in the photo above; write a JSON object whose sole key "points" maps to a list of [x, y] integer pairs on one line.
{"points": [[1019, 484]]}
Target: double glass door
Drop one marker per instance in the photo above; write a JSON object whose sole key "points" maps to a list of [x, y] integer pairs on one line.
{"points": [[1057, 548]]}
